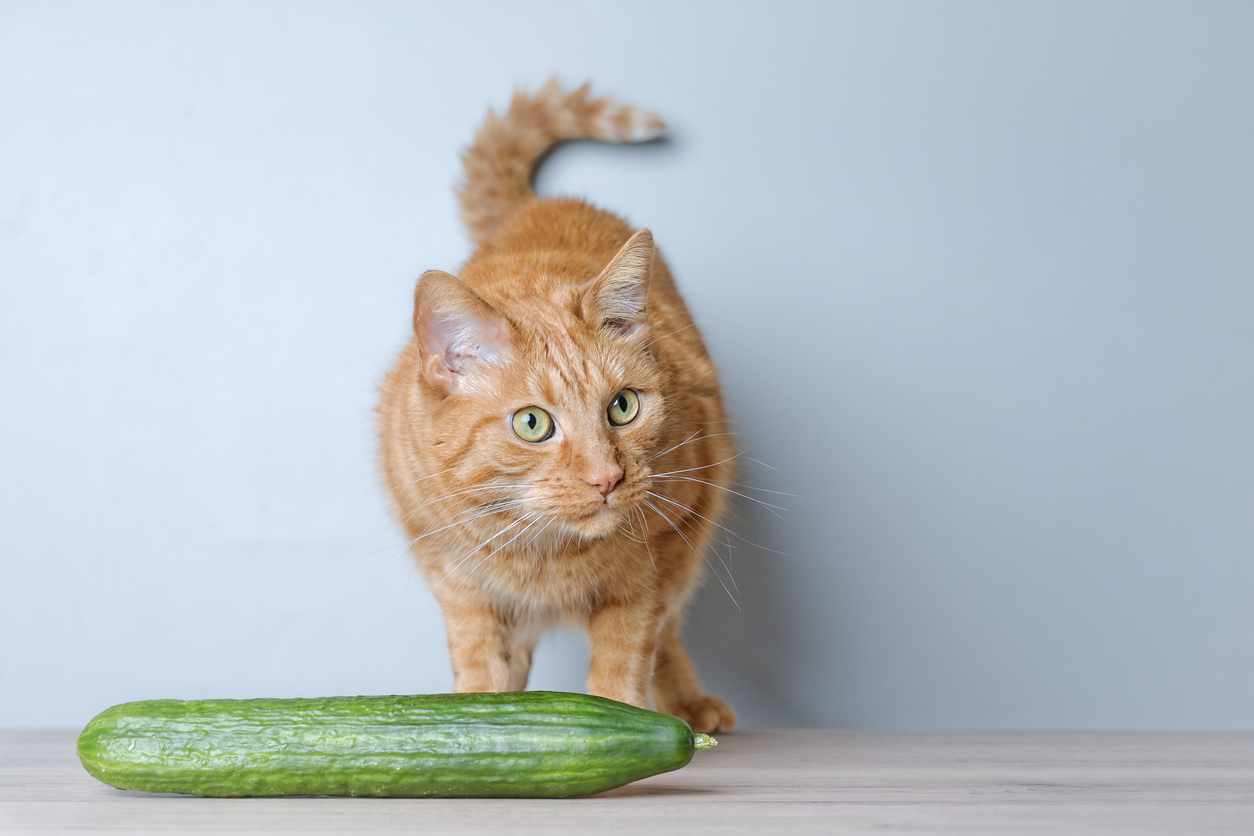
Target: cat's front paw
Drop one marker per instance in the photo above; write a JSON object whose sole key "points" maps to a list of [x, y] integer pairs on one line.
{"points": [[707, 714]]}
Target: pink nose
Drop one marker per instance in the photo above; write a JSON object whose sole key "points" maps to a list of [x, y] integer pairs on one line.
{"points": [[606, 481]]}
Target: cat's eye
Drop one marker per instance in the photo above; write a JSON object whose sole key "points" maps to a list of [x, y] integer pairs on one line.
{"points": [[532, 424], [624, 408]]}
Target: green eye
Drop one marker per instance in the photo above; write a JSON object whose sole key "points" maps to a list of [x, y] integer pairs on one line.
{"points": [[624, 408], [532, 424]]}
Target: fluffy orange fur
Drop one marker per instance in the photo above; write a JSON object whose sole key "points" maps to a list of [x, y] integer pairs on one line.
{"points": [[561, 317]]}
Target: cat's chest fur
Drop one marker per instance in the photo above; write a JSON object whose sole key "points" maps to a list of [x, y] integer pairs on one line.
{"points": [[550, 580]]}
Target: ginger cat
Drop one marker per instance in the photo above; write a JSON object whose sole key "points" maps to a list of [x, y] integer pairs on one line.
{"points": [[553, 436]]}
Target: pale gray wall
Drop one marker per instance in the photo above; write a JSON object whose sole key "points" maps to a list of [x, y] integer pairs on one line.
{"points": [[979, 276]]}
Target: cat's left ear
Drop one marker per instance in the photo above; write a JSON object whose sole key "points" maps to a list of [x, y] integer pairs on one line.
{"points": [[617, 298]]}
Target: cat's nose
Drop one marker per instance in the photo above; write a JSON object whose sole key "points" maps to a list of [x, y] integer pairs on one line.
{"points": [[606, 480]]}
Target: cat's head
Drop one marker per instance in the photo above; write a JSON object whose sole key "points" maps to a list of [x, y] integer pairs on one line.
{"points": [[552, 404]]}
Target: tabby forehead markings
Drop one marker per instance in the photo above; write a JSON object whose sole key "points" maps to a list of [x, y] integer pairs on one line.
{"points": [[571, 379]]}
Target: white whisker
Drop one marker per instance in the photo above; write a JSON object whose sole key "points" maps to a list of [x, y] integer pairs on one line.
{"points": [[644, 521], [702, 467], [498, 548], [484, 511], [539, 533], [766, 490], [452, 494], [473, 551], [694, 548], [677, 446], [721, 488], [712, 522], [727, 566], [692, 438]]}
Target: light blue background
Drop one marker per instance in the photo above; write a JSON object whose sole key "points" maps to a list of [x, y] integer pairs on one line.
{"points": [[979, 278]]}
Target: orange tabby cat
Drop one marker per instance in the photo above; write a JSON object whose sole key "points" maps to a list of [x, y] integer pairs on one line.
{"points": [[553, 435]]}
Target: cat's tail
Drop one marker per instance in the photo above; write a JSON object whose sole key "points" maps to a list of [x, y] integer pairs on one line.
{"points": [[500, 162]]}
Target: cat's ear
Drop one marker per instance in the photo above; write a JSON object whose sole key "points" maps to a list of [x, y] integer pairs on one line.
{"points": [[458, 332], [617, 298]]}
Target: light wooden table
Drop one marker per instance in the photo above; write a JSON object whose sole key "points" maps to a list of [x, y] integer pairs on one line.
{"points": [[790, 782]]}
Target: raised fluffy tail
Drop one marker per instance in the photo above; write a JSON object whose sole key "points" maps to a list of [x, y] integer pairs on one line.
{"points": [[500, 162]]}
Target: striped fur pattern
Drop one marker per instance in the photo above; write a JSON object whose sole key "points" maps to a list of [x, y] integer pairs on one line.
{"points": [[563, 311], [500, 162]]}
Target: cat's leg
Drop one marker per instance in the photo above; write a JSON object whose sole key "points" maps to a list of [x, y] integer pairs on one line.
{"points": [[478, 646], [520, 644], [623, 639], [676, 689]]}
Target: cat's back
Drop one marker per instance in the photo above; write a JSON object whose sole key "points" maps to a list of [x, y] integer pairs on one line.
{"points": [[558, 225]]}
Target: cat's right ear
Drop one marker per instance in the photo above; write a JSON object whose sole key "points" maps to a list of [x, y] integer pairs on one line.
{"points": [[458, 332], [618, 298]]}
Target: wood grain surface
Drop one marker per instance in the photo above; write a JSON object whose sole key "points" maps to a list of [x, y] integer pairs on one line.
{"points": [[793, 782]]}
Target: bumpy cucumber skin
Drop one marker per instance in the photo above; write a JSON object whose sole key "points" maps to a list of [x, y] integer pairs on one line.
{"points": [[530, 744]]}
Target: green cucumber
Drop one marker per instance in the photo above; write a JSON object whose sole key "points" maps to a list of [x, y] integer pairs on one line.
{"points": [[519, 744]]}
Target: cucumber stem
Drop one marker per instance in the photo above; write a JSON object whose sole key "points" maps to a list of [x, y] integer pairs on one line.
{"points": [[703, 741]]}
